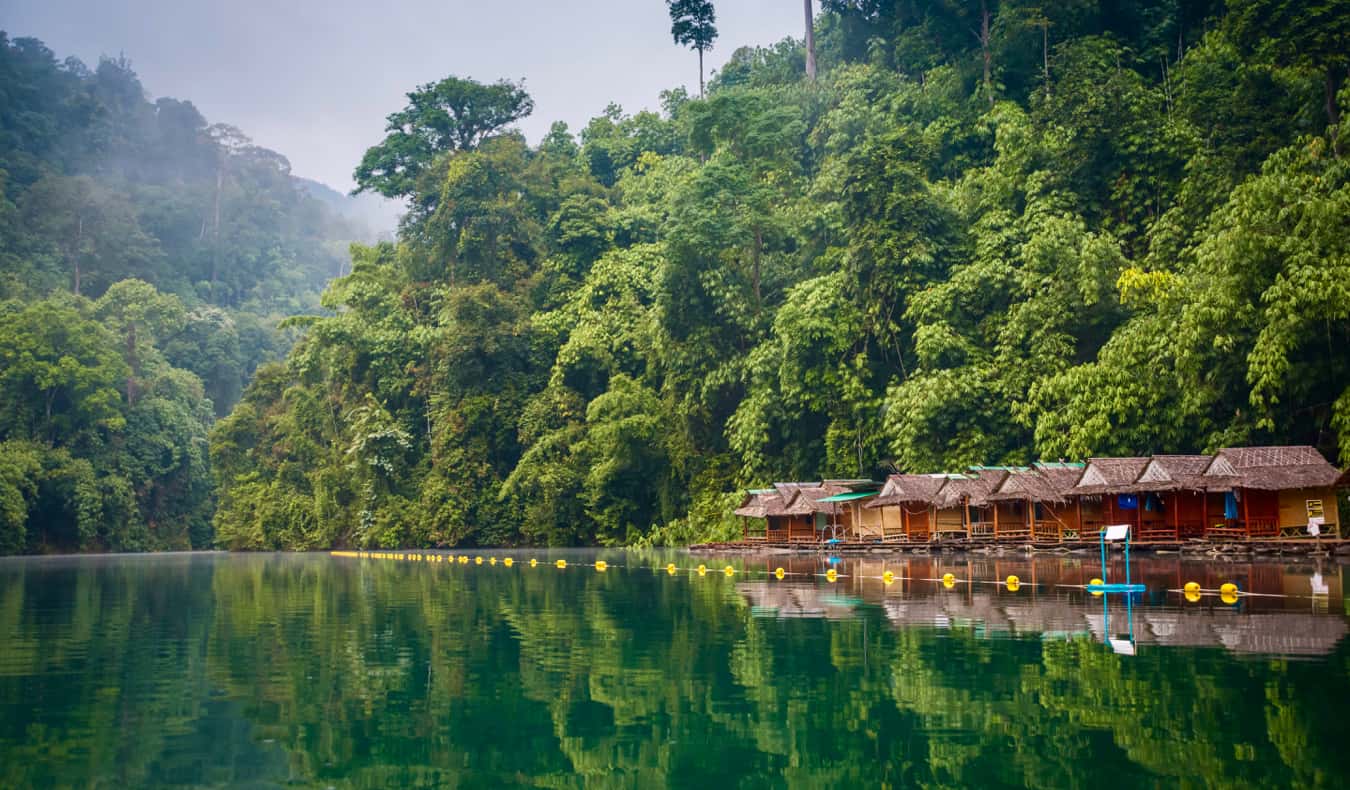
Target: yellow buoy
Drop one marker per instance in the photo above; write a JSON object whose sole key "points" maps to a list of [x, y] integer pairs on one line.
{"points": [[702, 569], [888, 577], [1192, 596], [533, 562], [728, 570], [670, 568], [1192, 587], [1013, 583], [561, 563], [508, 562], [463, 559], [1229, 598], [492, 561], [1096, 583], [831, 575], [949, 580], [601, 565], [779, 573], [1228, 588], [477, 560]]}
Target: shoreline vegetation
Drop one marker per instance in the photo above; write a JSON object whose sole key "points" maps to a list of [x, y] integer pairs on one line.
{"points": [[1090, 230]]}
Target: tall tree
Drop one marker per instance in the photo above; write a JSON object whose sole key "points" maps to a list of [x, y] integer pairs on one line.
{"points": [[451, 115], [810, 41], [692, 24]]}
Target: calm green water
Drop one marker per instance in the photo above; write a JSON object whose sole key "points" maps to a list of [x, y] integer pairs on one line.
{"points": [[310, 670]]}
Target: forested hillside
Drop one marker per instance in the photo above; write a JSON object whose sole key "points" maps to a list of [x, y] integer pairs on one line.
{"points": [[147, 259], [986, 232]]}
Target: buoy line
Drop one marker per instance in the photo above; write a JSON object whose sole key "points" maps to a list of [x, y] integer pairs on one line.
{"points": [[831, 575]]}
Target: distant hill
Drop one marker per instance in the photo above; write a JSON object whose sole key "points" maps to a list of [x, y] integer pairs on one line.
{"points": [[378, 214]]}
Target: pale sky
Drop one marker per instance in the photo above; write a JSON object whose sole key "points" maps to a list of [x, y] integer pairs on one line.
{"points": [[314, 79]]}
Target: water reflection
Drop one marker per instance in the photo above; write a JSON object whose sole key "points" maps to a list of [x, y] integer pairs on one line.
{"points": [[311, 670], [1279, 613]]}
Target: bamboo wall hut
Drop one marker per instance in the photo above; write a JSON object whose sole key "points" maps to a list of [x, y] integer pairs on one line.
{"points": [[1276, 491], [1035, 503], [907, 506], [1238, 493], [968, 496], [1105, 494], [1175, 499], [755, 506]]}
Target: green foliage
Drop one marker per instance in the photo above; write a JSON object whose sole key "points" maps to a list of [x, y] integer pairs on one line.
{"points": [[451, 115], [146, 260], [1087, 228], [104, 441]]}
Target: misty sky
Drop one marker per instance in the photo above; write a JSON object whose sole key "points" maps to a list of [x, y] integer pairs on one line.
{"points": [[314, 79]]}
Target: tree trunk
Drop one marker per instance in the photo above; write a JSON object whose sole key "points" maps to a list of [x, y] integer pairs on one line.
{"points": [[1333, 85], [984, 50], [810, 42], [79, 241], [134, 364], [1045, 55], [700, 73], [759, 245], [215, 253]]}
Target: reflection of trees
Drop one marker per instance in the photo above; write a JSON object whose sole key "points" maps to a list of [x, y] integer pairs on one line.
{"points": [[370, 674]]}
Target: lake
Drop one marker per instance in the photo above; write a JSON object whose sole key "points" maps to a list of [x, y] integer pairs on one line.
{"points": [[316, 670]]}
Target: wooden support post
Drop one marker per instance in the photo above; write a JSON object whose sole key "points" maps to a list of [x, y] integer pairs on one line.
{"points": [[996, 521], [1246, 519]]}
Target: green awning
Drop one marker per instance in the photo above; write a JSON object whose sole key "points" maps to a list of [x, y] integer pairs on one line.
{"points": [[849, 497]]}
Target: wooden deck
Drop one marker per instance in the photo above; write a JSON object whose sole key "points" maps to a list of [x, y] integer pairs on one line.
{"points": [[1301, 545]]}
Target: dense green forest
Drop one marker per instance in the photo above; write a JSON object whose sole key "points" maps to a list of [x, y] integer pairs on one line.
{"points": [[970, 232], [985, 232], [148, 261]]}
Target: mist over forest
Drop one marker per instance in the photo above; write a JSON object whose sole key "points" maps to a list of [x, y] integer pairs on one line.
{"points": [[948, 233]]}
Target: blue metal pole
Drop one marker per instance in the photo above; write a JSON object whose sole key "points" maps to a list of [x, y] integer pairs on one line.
{"points": [[1127, 561], [1101, 538]]}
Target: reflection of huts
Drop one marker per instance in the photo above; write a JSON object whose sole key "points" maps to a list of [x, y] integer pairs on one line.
{"points": [[1275, 491], [1282, 633], [907, 506], [788, 600]]}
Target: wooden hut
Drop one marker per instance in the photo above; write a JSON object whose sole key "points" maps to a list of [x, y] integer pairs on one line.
{"points": [[755, 506], [1174, 497], [1276, 491], [907, 506], [832, 506], [797, 513], [1035, 503], [967, 497], [1105, 493], [1055, 516]]}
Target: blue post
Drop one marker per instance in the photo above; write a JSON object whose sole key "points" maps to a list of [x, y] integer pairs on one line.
{"points": [[1127, 560], [1101, 538]]}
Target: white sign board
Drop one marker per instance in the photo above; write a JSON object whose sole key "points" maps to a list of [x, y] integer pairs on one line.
{"points": [[1117, 531], [1315, 525]]}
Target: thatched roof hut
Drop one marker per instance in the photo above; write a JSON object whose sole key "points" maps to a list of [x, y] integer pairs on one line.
{"points": [[972, 489], [1109, 475], [1178, 473], [759, 502], [1273, 468], [1044, 482], [910, 488]]}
